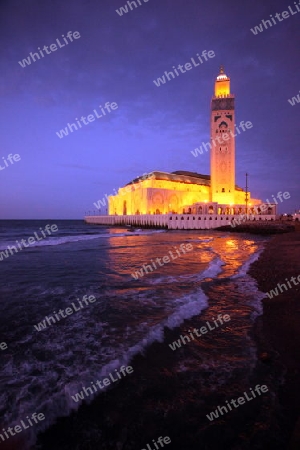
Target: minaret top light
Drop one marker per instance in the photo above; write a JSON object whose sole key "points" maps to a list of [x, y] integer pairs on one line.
{"points": [[222, 75], [222, 84]]}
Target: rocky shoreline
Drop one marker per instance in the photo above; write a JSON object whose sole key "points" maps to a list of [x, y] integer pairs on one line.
{"points": [[261, 227]]}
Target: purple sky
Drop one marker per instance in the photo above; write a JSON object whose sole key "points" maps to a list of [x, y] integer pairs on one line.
{"points": [[116, 59]]}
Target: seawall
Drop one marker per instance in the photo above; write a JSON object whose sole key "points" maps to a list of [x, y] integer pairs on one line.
{"points": [[174, 221]]}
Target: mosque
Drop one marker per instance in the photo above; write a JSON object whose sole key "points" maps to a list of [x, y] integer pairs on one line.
{"points": [[183, 192]]}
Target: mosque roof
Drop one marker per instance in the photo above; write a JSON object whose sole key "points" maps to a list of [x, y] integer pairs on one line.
{"points": [[181, 176]]}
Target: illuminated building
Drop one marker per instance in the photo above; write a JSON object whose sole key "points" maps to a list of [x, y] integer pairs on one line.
{"points": [[189, 192]]}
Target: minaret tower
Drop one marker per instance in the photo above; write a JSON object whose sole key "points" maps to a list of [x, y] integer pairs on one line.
{"points": [[222, 153]]}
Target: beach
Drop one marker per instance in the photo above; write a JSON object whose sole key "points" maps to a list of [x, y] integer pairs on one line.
{"points": [[182, 353], [150, 284], [278, 329], [170, 403]]}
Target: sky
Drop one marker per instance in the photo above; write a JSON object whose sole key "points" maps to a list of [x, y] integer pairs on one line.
{"points": [[116, 59]]}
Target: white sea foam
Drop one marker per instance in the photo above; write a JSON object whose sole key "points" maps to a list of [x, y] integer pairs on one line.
{"points": [[60, 376], [214, 269], [61, 404], [60, 240], [245, 267], [248, 285]]}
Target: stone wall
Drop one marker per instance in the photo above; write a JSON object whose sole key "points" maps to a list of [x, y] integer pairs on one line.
{"points": [[172, 221]]}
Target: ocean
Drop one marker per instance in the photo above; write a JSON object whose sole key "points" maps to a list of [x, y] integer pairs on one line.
{"points": [[45, 366]]}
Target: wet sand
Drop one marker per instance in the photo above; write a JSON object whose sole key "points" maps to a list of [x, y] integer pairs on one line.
{"points": [[158, 401], [278, 329]]}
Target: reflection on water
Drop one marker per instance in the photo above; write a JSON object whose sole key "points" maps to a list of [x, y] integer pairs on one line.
{"points": [[128, 315]]}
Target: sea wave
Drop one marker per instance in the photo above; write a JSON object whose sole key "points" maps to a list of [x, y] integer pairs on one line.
{"points": [[68, 355], [245, 267], [66, 239], [58, 401]]}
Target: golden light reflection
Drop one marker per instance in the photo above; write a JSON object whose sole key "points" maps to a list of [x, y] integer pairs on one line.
{"points": [[248, 245], [231, 244], [205, 256]]}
